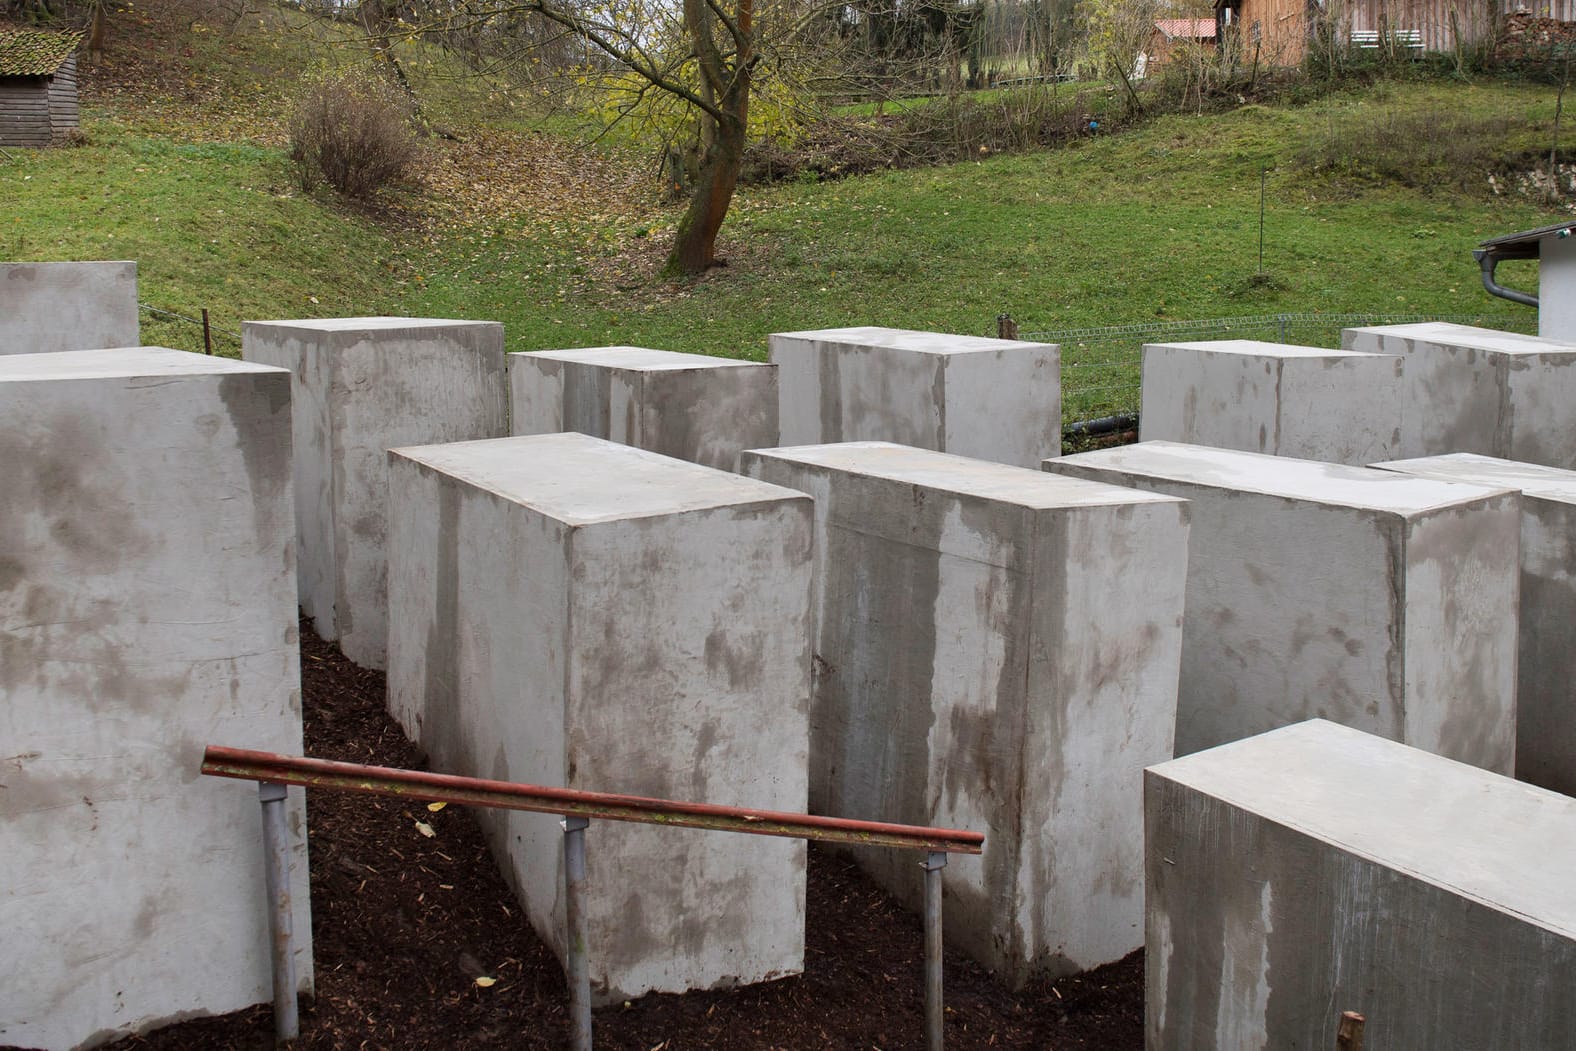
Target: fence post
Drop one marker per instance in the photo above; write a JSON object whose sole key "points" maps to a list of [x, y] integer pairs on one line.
{"points": [[579, 966], [1349, 1037], [1280, 328], [934, 862], [1006, 327], [276, 874], [207, 336]]}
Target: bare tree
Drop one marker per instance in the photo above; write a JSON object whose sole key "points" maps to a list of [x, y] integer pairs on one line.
{"points": [[703, 54]]}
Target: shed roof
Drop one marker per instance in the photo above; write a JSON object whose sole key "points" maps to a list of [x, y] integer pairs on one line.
{"points": [[1527, 241], [34, 52], [1187, 28]]}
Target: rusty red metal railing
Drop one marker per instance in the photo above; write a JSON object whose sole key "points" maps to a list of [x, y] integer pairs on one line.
{"points": [[272, 771]]}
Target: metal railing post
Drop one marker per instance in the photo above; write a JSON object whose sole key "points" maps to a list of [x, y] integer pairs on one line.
{"points": [[276, 874], [934, 862], [578, 964], [273, 772]]}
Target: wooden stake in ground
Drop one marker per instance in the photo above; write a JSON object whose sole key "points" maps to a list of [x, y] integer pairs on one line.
{"points": [[1349, 1035]]}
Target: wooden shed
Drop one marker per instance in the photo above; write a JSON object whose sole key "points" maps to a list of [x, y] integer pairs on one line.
{"points": [[1169, 34], [38, 86], [1277, 32]]}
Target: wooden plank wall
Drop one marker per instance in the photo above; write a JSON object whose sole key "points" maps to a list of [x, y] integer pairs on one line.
{"points": [[1280, 36], [64, 116], [1445, 24], [1282, 25], [24, 111]]}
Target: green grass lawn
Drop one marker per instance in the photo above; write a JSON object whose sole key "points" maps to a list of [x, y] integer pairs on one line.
{"points": [[1156, 224]]}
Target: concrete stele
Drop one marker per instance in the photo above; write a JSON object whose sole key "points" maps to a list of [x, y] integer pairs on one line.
{"points": [[569, 611], [994, 399], [1557, 286], [1339, 406], [147, 609], [1478, 390], [997, 650], [1380, 601], [1546, 659], [363, 386], [690, 406], [49, 307], [1317, 869]]}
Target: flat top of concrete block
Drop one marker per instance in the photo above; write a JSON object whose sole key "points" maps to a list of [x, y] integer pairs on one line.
{"points": [[1508, 845], [581, 480], [639, 358], [904, 339], [1312, 480], [120, 363], [1492, 340], [945, 472], [1264, 349], [1548, 483], [367, 324], [19, 268]]}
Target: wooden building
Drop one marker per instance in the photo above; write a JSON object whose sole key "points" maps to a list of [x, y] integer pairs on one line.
{"points": [[1277, 32], [38, 86], [1169, 34]]}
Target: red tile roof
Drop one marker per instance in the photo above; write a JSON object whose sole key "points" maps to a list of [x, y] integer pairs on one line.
{"points": [[1187, 28]]}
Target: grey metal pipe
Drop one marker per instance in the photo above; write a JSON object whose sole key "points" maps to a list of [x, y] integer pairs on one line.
{"points": [[577, 961], [934, 862], [1487, 260], [276, 850]]}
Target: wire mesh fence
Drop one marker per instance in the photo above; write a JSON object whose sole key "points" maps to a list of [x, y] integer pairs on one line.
{"points": [[1101, 366], [168, 328]]}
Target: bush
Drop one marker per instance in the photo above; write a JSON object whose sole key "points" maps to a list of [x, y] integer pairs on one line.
{"points": [[941, 131], [1424, 149], [352, 132]]}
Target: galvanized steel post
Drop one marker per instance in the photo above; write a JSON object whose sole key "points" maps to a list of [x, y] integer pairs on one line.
{"points": [[273, 772], [276, 848], [578, 964], [934, 862]]}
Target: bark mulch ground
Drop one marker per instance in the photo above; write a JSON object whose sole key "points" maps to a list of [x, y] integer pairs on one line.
{"points": [[404, 924]]}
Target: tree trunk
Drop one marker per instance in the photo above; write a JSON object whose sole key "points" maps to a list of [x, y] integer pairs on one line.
{"points": [[695, 245]]}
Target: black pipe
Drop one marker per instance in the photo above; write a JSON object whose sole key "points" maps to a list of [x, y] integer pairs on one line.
{"points": [[1125, 421], [1488, 259]]}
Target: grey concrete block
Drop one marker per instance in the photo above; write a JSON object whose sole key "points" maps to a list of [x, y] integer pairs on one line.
{"points": [[690, 406], [1546, 654], [147, 597], [996, 649], [1478, 390], [363, 386], [1318, 869], [568, 611], [1319, 590], [994, 399], [1557, 288], [1316, 404], [48, 307]]}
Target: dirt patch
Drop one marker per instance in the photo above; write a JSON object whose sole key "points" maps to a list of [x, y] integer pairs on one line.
{"points": [[403, 924]]}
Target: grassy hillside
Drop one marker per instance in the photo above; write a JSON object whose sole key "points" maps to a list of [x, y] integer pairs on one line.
{"points": [[1373, 200]]}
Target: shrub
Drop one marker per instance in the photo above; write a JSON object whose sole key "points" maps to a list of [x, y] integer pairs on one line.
{"points": [[353, 132], [1424, 149]]}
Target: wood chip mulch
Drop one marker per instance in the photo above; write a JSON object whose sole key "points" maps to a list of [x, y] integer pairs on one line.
{"points": [[404, 924]]}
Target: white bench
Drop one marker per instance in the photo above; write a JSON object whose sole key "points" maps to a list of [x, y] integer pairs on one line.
{"points": [[1371, 38]]}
